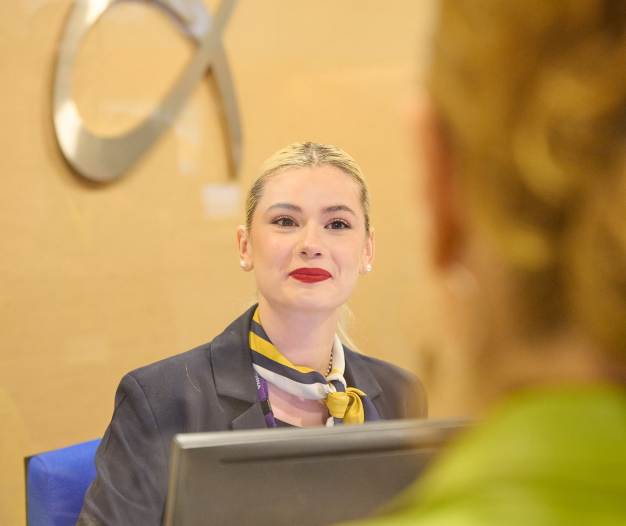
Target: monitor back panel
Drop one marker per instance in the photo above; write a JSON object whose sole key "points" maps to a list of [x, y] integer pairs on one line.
{"points": [[305, 477]]}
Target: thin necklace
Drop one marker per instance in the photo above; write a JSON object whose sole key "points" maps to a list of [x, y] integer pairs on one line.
{"points": [[330, 365]]}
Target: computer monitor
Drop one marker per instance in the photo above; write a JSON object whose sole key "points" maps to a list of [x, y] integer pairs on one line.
{"points": [[298, 476]]}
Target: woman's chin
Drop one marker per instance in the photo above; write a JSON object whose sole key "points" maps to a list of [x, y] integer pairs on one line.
{"points": [[307, 302], [314, 298]]}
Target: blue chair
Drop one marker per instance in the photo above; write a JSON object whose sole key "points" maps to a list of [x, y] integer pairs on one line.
{"points": [[56, 483]]}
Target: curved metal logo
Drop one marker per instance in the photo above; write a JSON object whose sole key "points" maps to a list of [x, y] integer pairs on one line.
{"points": [[107, 158]]}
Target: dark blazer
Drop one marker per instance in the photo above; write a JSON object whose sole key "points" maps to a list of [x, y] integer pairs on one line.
{"points": [[210, 388]]}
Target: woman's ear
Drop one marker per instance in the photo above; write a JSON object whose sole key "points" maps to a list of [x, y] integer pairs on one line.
{"points": [[245, 252], [368, 256], [433, 143]]}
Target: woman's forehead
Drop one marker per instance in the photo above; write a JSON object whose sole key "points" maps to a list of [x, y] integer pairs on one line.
{"points": [[311, 185]]}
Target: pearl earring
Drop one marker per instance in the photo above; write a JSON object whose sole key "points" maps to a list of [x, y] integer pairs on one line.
{"points": [[368, 268], [242, 264]]}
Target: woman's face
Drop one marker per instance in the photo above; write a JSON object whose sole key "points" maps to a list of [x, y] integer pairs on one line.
{"points": [[307, 243]]}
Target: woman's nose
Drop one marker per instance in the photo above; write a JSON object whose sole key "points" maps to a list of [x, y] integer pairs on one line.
{"points": [[310, 242]]}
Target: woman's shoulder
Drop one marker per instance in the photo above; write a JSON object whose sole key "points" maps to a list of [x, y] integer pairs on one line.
{"points": [[199, 357], [171, 379], [382, 370], [394, 382], [198, 360]]}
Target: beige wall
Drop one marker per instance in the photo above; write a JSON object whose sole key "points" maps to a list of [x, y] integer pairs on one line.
{"points": [[96, 280]]}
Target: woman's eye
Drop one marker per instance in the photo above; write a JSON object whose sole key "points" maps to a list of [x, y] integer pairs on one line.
{"points": [[284, 221], [338, 224]]}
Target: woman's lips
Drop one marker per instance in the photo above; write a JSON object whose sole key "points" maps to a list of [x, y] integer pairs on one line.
{"points": [[310, 275]]}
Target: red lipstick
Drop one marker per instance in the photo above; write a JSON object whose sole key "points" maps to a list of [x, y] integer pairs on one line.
{"points": [[310, 275]]}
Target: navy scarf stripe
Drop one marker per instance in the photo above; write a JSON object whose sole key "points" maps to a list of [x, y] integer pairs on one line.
{"points": [[257, 329], [302, 378]]}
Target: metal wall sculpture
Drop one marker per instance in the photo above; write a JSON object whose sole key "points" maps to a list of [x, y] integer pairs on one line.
{"points": [[107, 158]]}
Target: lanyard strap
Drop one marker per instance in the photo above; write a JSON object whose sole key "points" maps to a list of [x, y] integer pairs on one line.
{"points": [[264, 397]]}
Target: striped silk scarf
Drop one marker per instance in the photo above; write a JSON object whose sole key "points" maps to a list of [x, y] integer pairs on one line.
{"points": [[346, 405]]}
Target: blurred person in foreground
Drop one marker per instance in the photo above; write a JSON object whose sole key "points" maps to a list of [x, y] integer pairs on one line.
{"points": [[525, 144]]}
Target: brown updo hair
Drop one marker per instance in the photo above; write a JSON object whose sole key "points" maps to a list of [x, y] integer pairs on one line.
{"points": [[533, 97]]}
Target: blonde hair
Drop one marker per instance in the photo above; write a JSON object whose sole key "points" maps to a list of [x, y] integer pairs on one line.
{"points": [[533, 96], [312, 155]]}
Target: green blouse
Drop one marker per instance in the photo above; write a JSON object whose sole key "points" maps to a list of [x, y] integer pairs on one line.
{"points": [[547, 457]]}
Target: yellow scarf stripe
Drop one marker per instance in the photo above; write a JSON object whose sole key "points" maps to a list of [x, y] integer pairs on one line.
{"points": [[268, 350]]}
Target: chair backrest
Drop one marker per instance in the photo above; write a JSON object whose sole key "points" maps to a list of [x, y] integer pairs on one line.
{"points": [[56, 483]]}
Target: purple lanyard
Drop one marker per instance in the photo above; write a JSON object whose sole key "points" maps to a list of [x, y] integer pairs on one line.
{"points": [[264, 397]]}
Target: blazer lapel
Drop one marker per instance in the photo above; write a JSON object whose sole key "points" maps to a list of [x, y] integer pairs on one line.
{"points": [[357, 374], [233, 374]]}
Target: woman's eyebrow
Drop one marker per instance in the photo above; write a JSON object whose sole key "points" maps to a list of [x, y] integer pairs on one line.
{"points": [[284, 206], [295, 208], [338, 208]]}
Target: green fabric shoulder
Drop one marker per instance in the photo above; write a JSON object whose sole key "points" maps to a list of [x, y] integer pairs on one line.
{"points": [[546, 457]]}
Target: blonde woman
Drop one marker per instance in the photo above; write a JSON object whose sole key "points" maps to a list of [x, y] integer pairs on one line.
{"points": [[307, 238], [526, 143]]}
